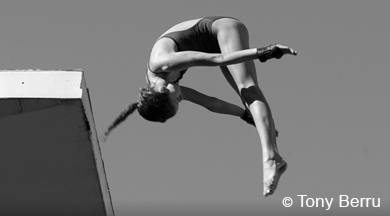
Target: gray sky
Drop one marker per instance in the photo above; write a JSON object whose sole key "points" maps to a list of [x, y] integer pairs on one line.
{"points": [[330, 103]]}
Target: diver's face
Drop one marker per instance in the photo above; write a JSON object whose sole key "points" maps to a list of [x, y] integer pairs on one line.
{"points": [[174, 94]]}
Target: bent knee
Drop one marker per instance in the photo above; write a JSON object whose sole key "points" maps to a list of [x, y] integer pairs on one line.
{"points": [[251, 94]]}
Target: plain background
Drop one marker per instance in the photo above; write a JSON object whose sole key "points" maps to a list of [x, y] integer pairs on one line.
{"points": [[330, 103]]}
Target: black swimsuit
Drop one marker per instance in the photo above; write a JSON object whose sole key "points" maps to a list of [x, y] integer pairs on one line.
{"points": [[199, 37]]}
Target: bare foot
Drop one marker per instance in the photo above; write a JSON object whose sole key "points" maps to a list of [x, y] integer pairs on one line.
{"points": [[272, 170]]}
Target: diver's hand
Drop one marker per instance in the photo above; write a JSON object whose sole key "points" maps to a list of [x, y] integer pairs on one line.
{"points": [[274, 51], [247, 117]]}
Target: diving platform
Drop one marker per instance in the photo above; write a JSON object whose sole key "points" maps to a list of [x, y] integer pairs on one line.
{"points": [[50, 158]]}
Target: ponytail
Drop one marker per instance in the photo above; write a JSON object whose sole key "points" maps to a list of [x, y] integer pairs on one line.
{"points": [[121, 117]]}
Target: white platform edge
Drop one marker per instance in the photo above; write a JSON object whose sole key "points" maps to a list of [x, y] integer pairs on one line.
{"points": [[40, 83]]}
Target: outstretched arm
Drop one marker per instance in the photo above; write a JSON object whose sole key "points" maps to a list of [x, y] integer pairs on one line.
{"points": [[211, 103], [163, 61]]}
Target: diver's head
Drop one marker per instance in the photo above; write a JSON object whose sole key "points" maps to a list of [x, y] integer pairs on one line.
{"points": [[158, 104]]}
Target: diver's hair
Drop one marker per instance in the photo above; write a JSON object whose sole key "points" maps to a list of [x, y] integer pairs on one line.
{"points": [[152, 105], [155, 106], [122, 116]]}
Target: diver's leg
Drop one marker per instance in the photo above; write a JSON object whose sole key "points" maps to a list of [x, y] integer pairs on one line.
{"points": [[233, 36]]}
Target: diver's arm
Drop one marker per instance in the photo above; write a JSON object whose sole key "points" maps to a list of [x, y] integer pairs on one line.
{"points": [[211, 103], [164, 61]]}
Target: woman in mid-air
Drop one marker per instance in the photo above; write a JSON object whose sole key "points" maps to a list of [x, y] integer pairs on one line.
{"points": [[211, 41]]}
